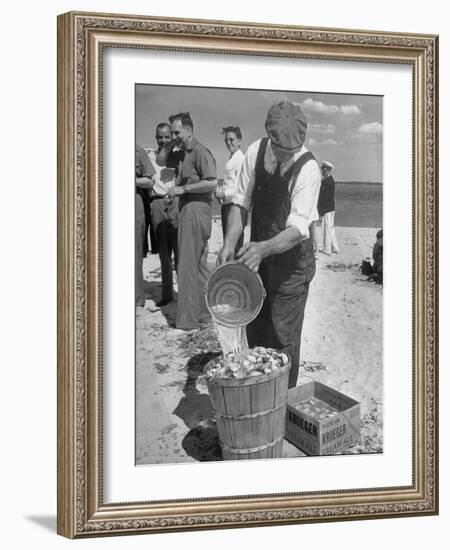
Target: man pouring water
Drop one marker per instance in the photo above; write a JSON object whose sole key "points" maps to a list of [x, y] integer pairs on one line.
{"points": [[279, 183]]}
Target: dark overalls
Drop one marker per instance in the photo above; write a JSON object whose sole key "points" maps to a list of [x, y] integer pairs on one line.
{"points": [[285, 276]]}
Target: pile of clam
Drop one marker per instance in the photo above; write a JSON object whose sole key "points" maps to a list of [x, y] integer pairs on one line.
{"points": [[254, 362], [316, 409]]}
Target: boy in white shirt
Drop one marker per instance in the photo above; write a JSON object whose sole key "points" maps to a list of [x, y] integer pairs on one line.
{"points": [[226, 191]]}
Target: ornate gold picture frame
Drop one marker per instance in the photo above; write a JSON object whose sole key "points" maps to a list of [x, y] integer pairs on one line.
{"points": [[82, 509]]}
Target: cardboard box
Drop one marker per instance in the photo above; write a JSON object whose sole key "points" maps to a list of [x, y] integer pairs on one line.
{"points": [[321, 436]]}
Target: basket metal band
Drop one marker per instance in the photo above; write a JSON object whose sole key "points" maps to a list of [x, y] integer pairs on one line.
{"points": [[251, 449], [247, 416]]}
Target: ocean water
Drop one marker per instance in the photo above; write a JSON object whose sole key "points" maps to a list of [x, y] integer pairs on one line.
{"points": [[357, 205]]}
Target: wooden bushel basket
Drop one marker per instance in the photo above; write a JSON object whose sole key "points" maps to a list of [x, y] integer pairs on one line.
{"points": [[250, 414]]}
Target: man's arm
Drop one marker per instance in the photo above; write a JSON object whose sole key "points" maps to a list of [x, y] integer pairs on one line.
{"points": [[144, 182], [199, 188], [252, 253], [242, 202], [206, 170], [145, 170], [237, 221], [202, 186], [304, 203]]}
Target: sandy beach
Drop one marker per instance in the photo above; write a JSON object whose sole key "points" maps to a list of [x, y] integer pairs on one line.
{"points": [[341, 347]]}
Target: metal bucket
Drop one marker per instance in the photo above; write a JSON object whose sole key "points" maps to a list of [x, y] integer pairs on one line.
{"points": [[234, 294]]}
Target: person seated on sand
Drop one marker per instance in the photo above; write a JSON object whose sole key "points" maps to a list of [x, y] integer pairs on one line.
{"points": [[377, 255]]}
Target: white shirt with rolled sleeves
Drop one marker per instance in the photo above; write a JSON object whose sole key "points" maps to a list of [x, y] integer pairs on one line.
{"points": [[305, 190], [230, 178]]}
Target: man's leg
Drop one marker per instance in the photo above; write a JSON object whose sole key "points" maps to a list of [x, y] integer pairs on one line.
{"points": [[224, 217], [316, 235], [161, 230], [240, 244], [260, 331], [334, 243], [327, 232], [194, 231], [138, 252], [287, 312], [204, 316], [279, 325], [172, 213], [225, 212]]}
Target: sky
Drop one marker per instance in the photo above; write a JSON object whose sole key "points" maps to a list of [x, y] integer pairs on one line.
{"points": [[344, 129]]}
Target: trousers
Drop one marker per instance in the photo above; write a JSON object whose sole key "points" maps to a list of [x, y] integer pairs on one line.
{"points": [[280, 321], [194, 230], [324, 234], [164, 224], [139, 236]]}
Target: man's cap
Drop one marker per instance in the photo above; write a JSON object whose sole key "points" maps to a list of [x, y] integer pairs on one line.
{"points": [[286, 125], [326, 164]]}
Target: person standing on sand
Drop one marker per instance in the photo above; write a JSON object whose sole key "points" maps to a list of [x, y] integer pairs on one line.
{"points": [[196, 182], [324, 234], [279, 182], [164, 209], [226, 191], [144, 175]]}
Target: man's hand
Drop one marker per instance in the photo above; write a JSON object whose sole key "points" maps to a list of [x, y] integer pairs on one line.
{"points": [[225, 255], [145, 182], [251, 254], [220, 193], [176, 191]]}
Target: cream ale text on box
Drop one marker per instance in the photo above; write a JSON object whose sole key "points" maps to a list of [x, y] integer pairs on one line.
{"points": [[321, 420]]}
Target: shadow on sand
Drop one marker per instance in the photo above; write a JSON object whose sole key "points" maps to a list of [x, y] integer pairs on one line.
{"points": [[152, 291], [202, 441]]}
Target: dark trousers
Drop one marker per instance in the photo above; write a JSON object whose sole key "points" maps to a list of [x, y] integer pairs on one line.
{"points": [[225, 213], [280, 321], [139, 236], [164, 224]]}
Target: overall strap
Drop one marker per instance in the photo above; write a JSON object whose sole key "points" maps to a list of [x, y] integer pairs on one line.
{"points": [[261, 152], [296, 168]]}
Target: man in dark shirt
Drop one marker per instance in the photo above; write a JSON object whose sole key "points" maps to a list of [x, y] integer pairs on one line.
{"points": [[196, 182], [323, 231]]}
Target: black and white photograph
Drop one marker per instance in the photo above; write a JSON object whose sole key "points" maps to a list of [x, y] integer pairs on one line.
{"points": [[215, 350], [258, 274]]}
